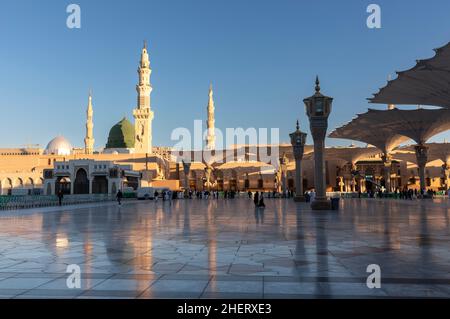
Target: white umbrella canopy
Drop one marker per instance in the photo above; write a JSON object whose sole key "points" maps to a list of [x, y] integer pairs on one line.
{"points": [[436, 151], [424, 84], [419, 125], [367, 128], [386, 129]]}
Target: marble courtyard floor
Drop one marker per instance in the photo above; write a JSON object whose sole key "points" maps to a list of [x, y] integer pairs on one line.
{"points": [[227, 249]]}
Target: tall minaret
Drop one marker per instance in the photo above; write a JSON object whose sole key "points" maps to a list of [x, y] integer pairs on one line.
{"points": [[211, 137], [143, 115], [89, 139]]}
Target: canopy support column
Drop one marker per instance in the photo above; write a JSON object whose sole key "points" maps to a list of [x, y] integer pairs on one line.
{"points": [[422, 159], [387, 172]]}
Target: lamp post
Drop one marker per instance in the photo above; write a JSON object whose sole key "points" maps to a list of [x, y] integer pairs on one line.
{"points": [[387, 171], [283, 164], [298, 140], [208, 171], [186, 169], [318, 108], [278, 179]]}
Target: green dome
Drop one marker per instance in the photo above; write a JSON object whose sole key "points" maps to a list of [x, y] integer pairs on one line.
{"points": [[121, 135]]}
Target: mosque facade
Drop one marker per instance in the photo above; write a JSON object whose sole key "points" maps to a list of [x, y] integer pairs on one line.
{"points": [[130, 145]]}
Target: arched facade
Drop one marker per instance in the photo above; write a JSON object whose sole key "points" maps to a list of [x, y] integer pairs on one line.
{"points": [[81, 183]]}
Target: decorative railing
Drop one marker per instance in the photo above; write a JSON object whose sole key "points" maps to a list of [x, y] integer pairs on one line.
{"points": [[393, 195], [22, 202]]}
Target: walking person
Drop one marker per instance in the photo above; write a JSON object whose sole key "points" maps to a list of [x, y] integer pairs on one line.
{"points": [[60, 197], [119, 197], [261, 201], [169, 196], [312, 195], [256, 198]]}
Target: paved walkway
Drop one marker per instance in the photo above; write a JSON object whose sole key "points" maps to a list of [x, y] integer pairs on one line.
{"points": [[226, 248]]}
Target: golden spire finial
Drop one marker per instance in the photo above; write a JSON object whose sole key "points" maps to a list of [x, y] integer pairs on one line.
{"points": [[145, 44]]}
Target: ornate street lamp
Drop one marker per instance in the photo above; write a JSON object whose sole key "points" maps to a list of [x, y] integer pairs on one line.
{"points": [[387, 162], [318, 108], [186, 170], [298, 140], [284, 161]]}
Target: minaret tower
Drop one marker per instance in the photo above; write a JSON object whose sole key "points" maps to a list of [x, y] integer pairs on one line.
{"points": [[143, 115], [211, 136], [89, 140]]}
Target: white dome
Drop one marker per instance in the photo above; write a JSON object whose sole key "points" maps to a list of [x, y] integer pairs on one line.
{"points": [[58, 146]]}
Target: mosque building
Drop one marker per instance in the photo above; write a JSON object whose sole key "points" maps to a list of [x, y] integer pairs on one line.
{"points": [[129, 147]]}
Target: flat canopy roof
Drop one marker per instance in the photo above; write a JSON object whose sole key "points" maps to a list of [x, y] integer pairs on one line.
{"points": [[427, 83], [368, 129], [387, 129], [436, 151]]}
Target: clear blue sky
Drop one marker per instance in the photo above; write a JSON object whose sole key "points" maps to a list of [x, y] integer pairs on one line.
{"points": [[262, 57]]}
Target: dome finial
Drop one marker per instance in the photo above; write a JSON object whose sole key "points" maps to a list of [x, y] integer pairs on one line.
{"points": [[317, 84], [145, 44], [298, 126]]}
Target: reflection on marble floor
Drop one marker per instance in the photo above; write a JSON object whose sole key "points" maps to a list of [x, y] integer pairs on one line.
{"points": [[227, 249]]}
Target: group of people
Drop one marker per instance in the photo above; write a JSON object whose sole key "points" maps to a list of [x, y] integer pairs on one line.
{"points": [[413, 194], [275, 194], [258, 197], [166, 195], [207, 194], [405, 193]]}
